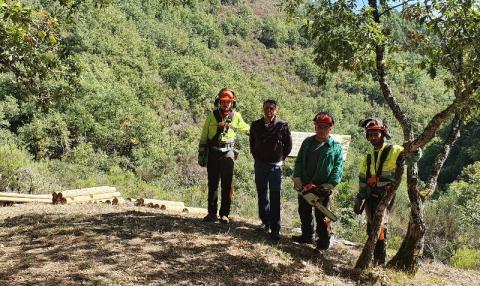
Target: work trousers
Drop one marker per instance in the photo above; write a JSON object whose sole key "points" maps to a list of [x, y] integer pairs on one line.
{"points": [[380, 252], [220, 169], [268, 180], [323, 229]]}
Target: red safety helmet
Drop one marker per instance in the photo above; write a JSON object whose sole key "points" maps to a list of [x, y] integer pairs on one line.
{"points": [[324, 118], [375, 123]]}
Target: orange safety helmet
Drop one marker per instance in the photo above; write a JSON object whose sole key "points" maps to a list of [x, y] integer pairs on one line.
{"points": [[375, 123], [227, 95]]}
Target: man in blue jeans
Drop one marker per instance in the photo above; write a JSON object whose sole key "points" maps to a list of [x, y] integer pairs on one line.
{"points": [[270, 144]]}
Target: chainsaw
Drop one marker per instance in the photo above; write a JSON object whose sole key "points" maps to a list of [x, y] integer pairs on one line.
{"points": [[313, 195]]}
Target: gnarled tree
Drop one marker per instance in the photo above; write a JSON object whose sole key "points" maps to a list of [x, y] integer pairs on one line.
{"points": [[352, 37]]}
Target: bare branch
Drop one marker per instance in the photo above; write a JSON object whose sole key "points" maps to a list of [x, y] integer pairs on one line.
{"points": [[432, 127], [444, 152], [394, 7]]}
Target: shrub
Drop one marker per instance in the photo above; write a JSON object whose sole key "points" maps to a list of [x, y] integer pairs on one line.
{"points": [[18, 173], [13, 160], [466, 258], [47, 136], [273, 33], [306, 69]]}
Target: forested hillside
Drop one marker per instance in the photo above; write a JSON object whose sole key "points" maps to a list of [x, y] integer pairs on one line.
{"points": [[115, 93]]}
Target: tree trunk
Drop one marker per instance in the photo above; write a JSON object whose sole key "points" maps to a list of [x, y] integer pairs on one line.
{"points": [[407, 257], [365, 259]]}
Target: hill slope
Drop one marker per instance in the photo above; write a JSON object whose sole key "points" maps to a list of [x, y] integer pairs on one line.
{"points": [[126, 245]]}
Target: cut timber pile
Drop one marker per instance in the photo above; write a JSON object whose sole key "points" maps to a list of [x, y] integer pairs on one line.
{"points": [[172, 206], [104, 194], [11, 198]]}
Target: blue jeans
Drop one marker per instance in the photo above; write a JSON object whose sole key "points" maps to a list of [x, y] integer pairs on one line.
{"points": [[268, 180]]}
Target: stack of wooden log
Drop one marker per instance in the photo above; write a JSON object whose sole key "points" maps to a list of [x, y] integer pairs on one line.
{"points": [[103, 194], [7, 199], [172, 206]]}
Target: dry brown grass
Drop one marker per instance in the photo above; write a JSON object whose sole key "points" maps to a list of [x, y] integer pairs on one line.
{"points": [[126, 245]]}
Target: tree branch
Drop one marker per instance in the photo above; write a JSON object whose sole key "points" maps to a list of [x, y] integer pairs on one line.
{"points": [[445, 151], [393, 7], [461, 98], [402, 117]]}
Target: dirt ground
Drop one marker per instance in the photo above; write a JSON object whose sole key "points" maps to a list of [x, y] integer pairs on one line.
{"points": [[125, 245]]}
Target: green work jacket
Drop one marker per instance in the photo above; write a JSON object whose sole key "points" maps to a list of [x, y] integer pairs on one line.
{"points": [[329, 166]]}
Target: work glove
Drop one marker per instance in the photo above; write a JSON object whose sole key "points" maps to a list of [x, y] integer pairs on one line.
{"points": [[358, 206]]}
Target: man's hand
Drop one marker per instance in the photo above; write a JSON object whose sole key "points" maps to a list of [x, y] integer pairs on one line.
{"points": [[202, 160], [202, 154], [222, 124], [297, 184]]}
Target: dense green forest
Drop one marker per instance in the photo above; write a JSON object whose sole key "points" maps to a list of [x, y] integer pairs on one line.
{"points": [[115, 93]]}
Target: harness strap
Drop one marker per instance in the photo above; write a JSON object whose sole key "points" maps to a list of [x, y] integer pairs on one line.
{"points": [[382, 159], [218, 117]]}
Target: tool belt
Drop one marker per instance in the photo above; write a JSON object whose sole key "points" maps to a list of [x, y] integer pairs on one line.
{"points": [[223, 147]]}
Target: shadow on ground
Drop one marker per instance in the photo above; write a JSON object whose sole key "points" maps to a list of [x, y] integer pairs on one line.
{"points": [[153, 248]]}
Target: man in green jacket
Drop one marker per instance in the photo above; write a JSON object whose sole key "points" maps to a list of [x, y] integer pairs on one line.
{"points": [[216, 151], [319, 161]]}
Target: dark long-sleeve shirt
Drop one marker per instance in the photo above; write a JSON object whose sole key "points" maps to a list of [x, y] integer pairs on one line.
{"points": [[270, 143]]}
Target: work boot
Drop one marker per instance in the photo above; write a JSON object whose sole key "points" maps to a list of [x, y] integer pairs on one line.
{"points": [[302, 239], [323, 243], [380, 253], [224, 219], [210, 218], [275, 236], [322, 246], [263, 228]]}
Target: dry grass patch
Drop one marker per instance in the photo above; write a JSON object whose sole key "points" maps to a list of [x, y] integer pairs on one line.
{"points": [[123, 245]]}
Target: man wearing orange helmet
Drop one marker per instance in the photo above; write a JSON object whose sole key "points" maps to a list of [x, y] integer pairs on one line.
{"points": [[381, 173], [216, 152], [319, 162]]}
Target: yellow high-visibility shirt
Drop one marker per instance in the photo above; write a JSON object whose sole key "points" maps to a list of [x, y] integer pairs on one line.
{"points": [[388, 172], [210, 128]]}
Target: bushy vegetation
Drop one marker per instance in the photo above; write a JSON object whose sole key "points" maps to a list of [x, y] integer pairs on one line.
{"points": [[131, 83]]}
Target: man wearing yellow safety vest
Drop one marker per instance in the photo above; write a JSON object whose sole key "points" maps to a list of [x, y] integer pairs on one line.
{"points": [[381, 173], [216, 152]]}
